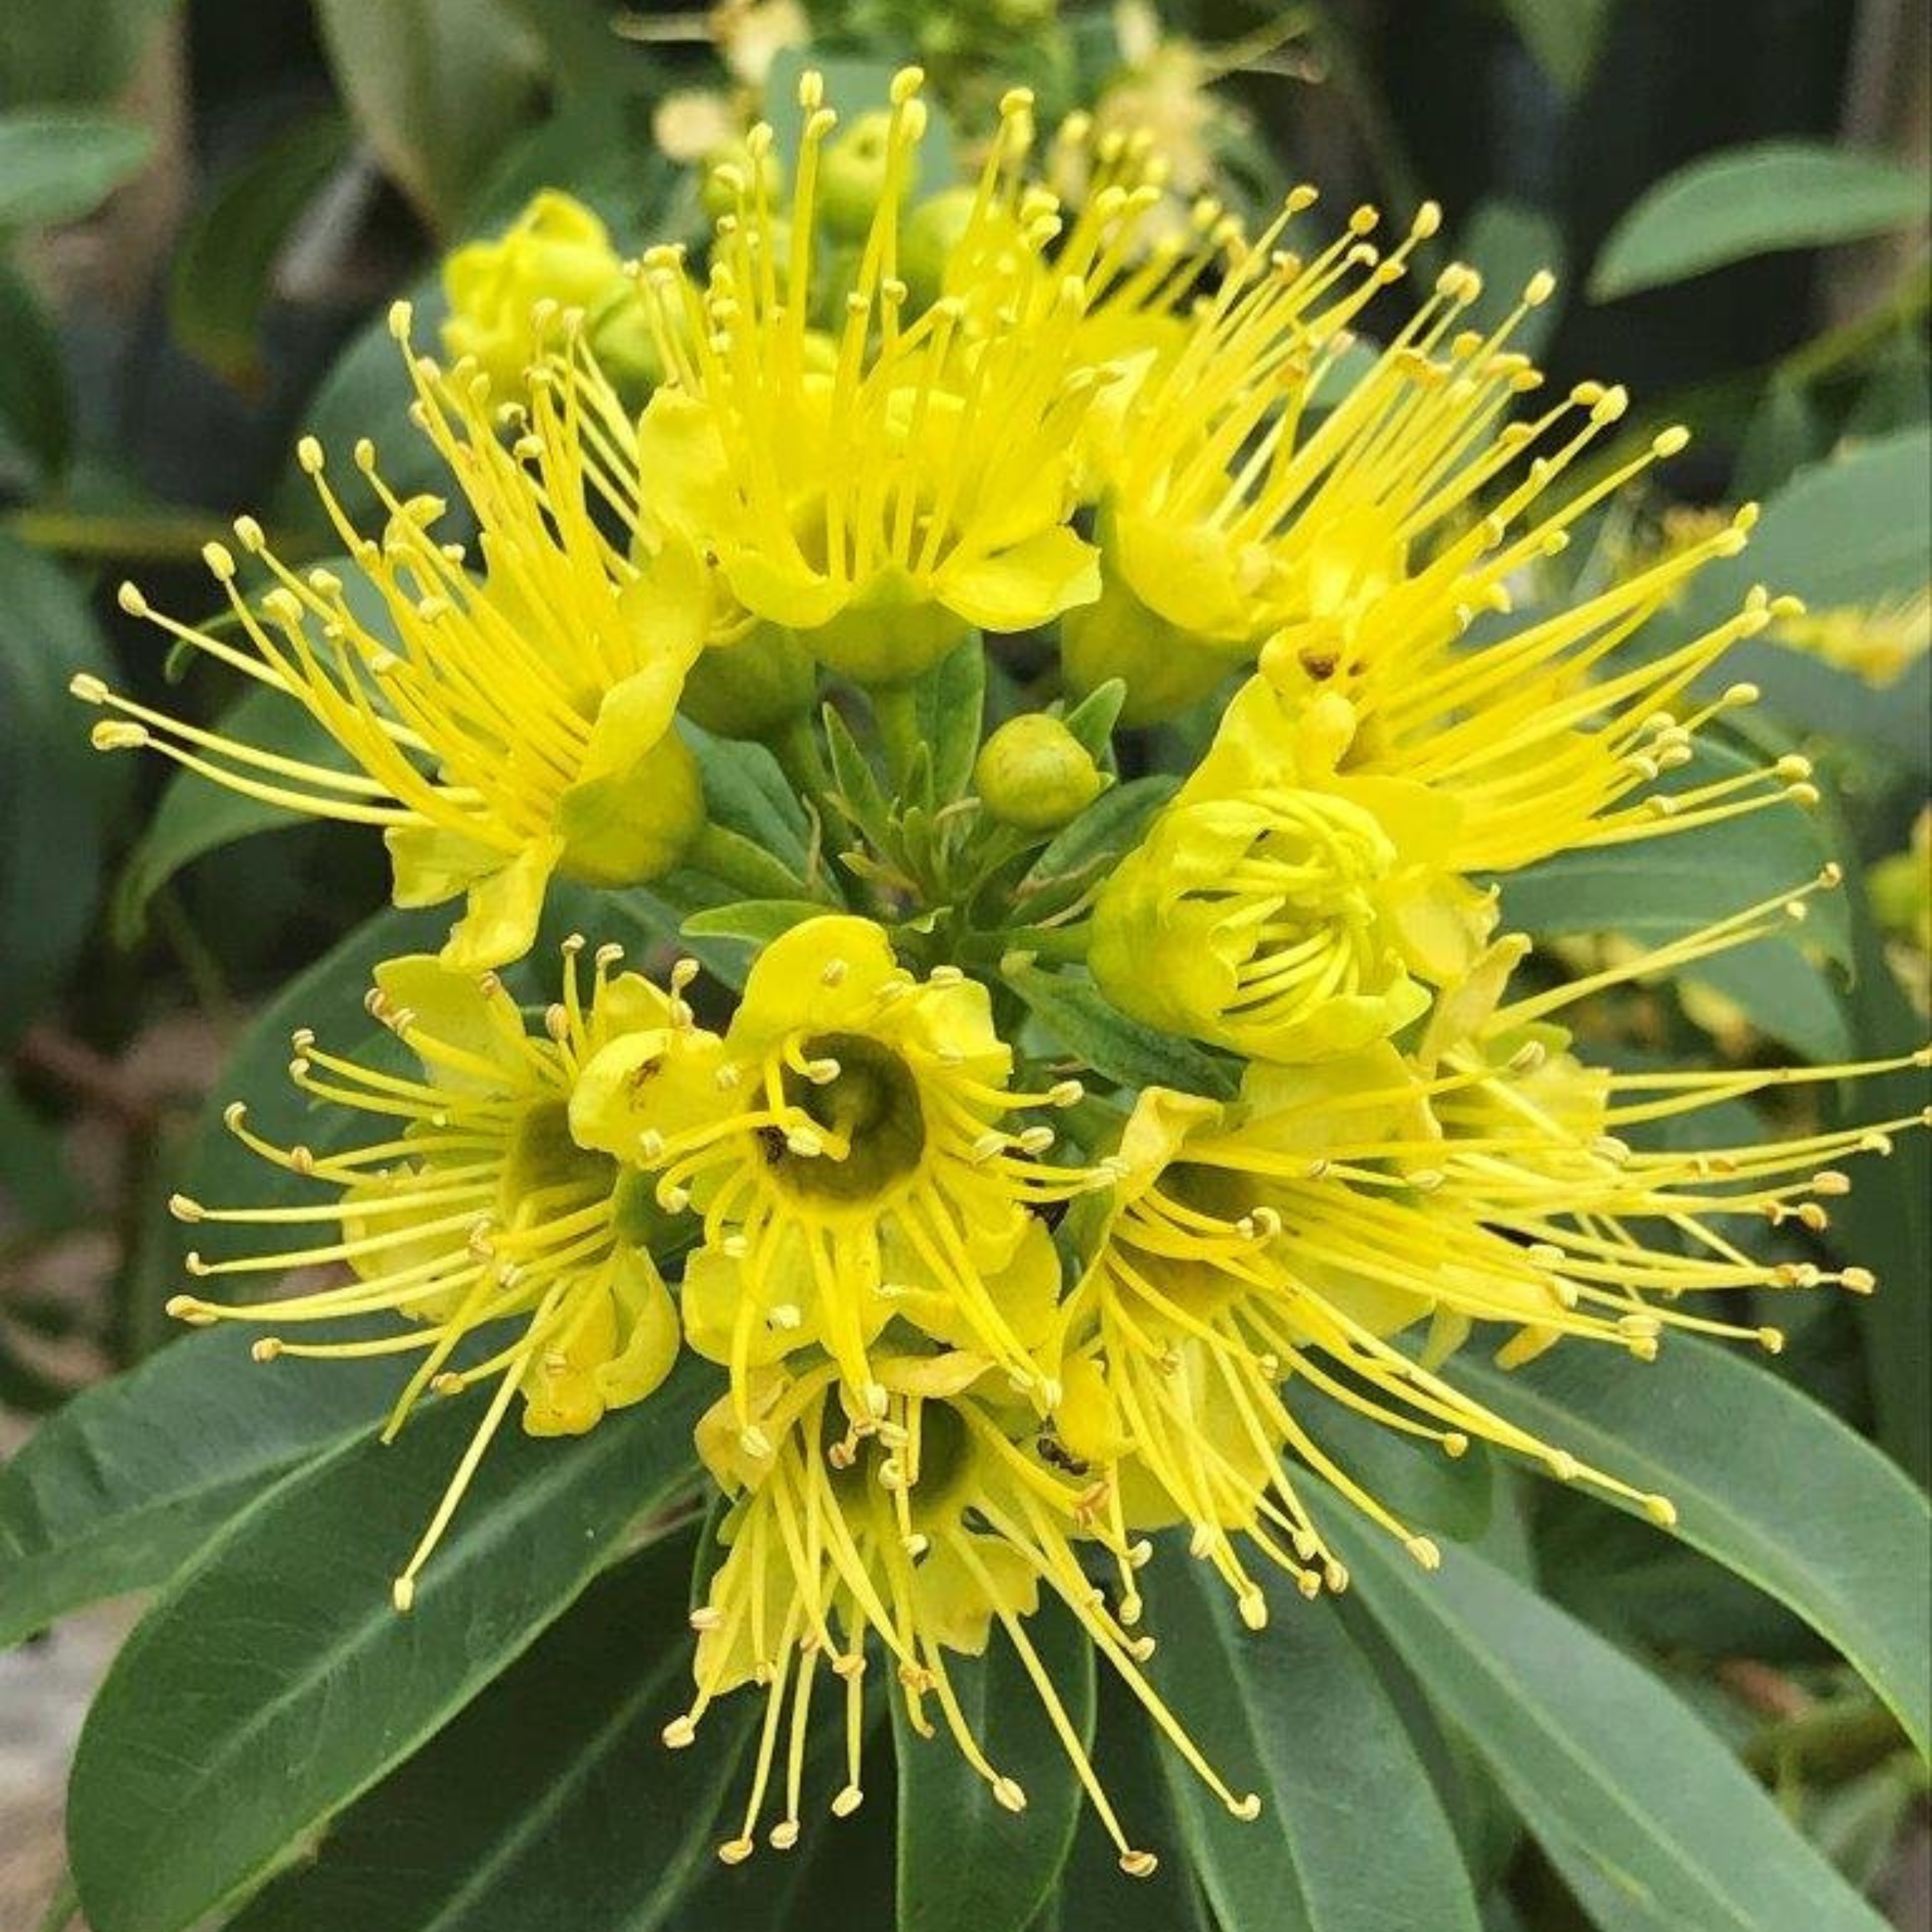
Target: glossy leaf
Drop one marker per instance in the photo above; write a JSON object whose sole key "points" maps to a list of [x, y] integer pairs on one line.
{"points": [[1774, 1487], [121, 1486], [1754, 200], [276, 1681], [1625, 1789], [56, 167], [550, 1804], [1295, 1714], [966, 1864]]}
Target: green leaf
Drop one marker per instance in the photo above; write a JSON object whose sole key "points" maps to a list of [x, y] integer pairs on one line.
{"points": [[36, 406], [77, 53], [437, 87], [1840, 1536], [1086, 1025], [950, 702], [549, 1804], [1628, 1792], [1295, 1714], [1079, 853], [219, 279], [54, 788], [1566, 36], [1420, 1484], [119, 1488], [965, 1863], [56, 167], [194, 816], [276, 1682], [758, 921], [216, 1169], [746, 792], [1753, 200], [1508, 241]]}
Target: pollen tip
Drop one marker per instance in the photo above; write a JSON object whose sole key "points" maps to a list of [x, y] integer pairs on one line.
{"points": [[847, 1801], [403, 1594], [1247, 1809], [1661, 1511], [1010, 1793], [736, 1851], [783, 1835], [679, 1733], [266, 1349], [1254, 1609], [1425, 1550], [182, 1307], [1139, 1864]]}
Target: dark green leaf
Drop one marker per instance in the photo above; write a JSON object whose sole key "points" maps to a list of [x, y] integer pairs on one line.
{"points": [[1566, 36], [436, 87], [1753, 200], [1295, 1714], [1840, 1536], [57, 167], [1085, 1025], [1508, 241], [79, 53], [276, 1682], [965, 1864], [36, 410], [223, 259], [194, 816], [1625, 1790], [1425, 1487], [549, 1805], [745, 792], [123, 1485], [951, 702], [1080, 853], [758, 921]]}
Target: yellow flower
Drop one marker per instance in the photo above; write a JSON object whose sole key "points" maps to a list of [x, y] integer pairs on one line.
{"points": [[885, 499], [1879, 642], [1281, 907], [556, 252], [499, 728], [473, 1206], [925, 1524], [1296, 1238], [846, 1143]]}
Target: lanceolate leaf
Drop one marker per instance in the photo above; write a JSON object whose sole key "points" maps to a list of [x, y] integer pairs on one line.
{"points": [[1628, 1792], [1295, 1714], [276, 1682], [1083, 1024], [1772, 1486], [1754, 200], [965, 1863], [121, 1486], [550, 1804]]}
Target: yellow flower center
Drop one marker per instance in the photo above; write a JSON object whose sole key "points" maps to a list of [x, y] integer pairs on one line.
{"points": [[872, 1104]]}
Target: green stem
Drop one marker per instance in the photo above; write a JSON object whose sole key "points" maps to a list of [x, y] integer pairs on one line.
{"points": [[163, 537], [736, 860]]}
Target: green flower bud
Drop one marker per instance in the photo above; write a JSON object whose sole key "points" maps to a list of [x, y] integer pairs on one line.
{"points": [[1034, 775], [626, 348], [749, 688], [1165, 667], [730, 171], [927, 238], [856, 174]]}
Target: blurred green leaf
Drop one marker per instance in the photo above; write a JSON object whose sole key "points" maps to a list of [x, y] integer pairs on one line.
{"points": [[1566, 36], [41, 1190], [54, 787], [549, 1804], [276, 1681], [436, 87], [36, 407], [1295, 1714], [77, 53], [757, 922], [1085, 1024], [1078, 857], [1754, 200], [194, 816], [1627, 1792], [218, 280], [56, 167], [1840, 1536], [951, 701], [1508, 242], [134, 1474], [966, 1864]]}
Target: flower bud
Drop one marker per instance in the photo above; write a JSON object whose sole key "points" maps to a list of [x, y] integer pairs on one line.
{"points": [[556, 250], [1034, 775], [1165, 667], [730, 171], [855, 174]]}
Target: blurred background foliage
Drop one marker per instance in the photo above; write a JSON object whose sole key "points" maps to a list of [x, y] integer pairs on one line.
{"points": [[204, 208]]}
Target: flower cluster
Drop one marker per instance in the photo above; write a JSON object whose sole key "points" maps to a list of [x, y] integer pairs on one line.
{"points": [[985, 1315]]}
